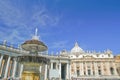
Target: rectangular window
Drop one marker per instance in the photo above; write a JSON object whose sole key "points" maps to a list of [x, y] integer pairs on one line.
{"points": [[84, 73], [99, 72], [112, 71], [54, 65], [89, 72], [78, 73]]}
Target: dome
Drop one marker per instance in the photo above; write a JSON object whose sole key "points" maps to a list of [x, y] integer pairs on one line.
{"points": [[76, 49]]}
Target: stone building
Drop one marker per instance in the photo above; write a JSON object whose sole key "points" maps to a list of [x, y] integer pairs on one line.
{"points": [[76, 64], [117, 61]]}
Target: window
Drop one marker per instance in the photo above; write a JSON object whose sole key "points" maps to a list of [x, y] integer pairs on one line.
{"points": [[98, 67], [78, 73], [54, 65], [112, 71], [77, 67], [89, 72], [84, 73], [99, 72]]}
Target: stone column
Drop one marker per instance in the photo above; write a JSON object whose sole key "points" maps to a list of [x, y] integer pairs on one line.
{"points": [[108, 68], [86, 68], [1, 60], [67, 71], [45, 76], [7, 67], [95, 68], [40, 69], [115, 70], [102, 70], [75, 74], [21, 70], [51, 65], [60, 70], [81, 69], [91, 69], [14, 69]]}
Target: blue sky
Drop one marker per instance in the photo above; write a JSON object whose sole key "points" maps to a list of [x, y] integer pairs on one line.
{"points": [[94, 24]]}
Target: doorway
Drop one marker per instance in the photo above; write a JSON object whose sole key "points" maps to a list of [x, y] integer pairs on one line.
{"points": [[63, 71]]}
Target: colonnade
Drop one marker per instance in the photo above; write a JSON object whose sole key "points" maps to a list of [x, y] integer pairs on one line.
{"points": [[93, 68], [9, 67]]}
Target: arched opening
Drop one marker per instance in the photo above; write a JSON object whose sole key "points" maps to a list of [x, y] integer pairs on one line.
{"points": [[112, 71], [78, 73]]}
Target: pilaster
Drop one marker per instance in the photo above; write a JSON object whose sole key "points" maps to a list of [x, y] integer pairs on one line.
{"points": [[67, 71], [115, 70], [95, 68], [60, 70], [81, 69], [75, 73], [86, 69], [102, 71], [108, 68], [91, 67]]}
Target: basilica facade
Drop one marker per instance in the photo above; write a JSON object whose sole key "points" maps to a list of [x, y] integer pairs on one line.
{"points": [[87, 65], [75, 64]]}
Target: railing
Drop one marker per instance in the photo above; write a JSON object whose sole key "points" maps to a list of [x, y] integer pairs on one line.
{"points": [[9, 44], [11, 47], [16, 47]]}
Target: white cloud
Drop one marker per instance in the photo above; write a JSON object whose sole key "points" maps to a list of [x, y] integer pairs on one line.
{"points": [[18, 25], [9, 15], [12, 36], [12, 16], [43, 18]]}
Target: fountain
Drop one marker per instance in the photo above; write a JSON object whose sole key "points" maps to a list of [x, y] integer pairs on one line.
{"points": [[33, 63]]}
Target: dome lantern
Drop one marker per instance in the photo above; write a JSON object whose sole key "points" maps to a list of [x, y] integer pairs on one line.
{"points": [[76, 49]]}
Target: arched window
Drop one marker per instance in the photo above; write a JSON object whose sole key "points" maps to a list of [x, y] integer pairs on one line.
{"points": [[112, 71], [78, 73], [99, 72], [89, 72]]}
